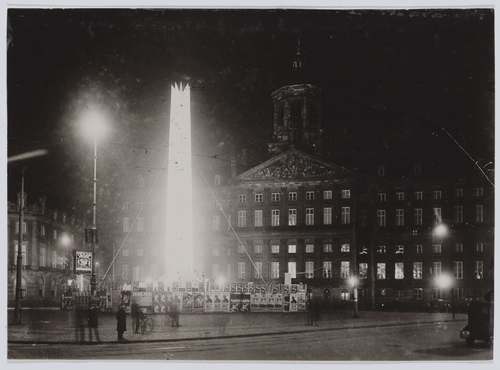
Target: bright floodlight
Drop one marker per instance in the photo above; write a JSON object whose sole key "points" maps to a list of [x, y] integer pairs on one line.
{"points": [[179, 228], [94, 123], [221, 281], [352, 281], [440, 231], [443, 281], [65, 240]]}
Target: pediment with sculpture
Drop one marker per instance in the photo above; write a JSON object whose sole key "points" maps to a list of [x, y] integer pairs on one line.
{"points": [[292, 165]]}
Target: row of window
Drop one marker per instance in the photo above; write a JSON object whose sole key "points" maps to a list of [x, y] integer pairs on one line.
{"points": [[293, 196], [42, 231], [436, 194], [258, 248], [325, 270], [47, 257]]}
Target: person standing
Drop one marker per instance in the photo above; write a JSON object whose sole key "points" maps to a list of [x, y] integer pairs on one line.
{"points": [[175, 313], [135, 312], [79, 323], [121, 322], [93, 321]]}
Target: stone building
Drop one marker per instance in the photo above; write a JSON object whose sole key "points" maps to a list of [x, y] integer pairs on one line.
{"points": [[49, 240]]}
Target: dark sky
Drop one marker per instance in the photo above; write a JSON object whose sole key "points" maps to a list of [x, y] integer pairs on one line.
{"points": [[390, 79]]}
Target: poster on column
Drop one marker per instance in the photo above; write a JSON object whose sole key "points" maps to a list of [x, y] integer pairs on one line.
{"points": [[209, 303], [293, 302], [254, 302], [245, 302], [217, 301], [225, 307], [187, 302], [198, 302], [301, 301]]}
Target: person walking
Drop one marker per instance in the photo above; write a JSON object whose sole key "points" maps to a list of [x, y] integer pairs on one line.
{"points": [[93, 321], [136, 317], [121, 322]]}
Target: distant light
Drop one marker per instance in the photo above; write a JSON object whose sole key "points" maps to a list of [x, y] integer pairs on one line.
{"points": [[65, 240], [443, 281], [221, 281], [28, 155], [94, 123], [440, 231], [353, 281]]}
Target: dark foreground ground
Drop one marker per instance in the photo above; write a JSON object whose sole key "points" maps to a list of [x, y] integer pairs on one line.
{"points": [[379, 336]]}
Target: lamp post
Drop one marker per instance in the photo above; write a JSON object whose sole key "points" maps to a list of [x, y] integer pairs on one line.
{"points": [[445, 281], [353, 282], [94, 125], [19, 259]]}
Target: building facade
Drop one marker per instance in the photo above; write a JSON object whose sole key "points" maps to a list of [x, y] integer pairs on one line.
{"points": [[50, 238]]}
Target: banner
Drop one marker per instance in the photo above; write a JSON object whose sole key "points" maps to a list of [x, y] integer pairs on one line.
{"points": [[83, 261]]}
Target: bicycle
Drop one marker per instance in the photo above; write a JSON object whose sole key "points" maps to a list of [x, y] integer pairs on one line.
{"points": [[146, 324]]}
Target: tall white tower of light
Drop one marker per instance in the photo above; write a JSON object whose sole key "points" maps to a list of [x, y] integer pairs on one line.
{"points": [[179, 227]]}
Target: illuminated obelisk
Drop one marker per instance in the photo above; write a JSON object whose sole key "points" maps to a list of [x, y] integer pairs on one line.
{"points": [[179, 227]]}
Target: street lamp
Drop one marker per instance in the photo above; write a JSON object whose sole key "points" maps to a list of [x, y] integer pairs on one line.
{"points": [[353, 282], [440, 231], [93, 122], [445, 281]]}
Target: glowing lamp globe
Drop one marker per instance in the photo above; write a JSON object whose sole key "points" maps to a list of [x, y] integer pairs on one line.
{"points": [[444, 281], [65, 240], [94, 123], [440, 231], [353, 281]]}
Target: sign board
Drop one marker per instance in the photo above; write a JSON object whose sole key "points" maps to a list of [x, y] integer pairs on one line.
{"points": [[142, 298], [83, 261]]}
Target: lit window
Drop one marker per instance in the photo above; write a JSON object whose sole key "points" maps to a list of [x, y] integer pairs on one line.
{"points": [[417, 270], [437, 194], [400, 249], [242, 218], [309, 216], [241, 270], [292, 269], [381, 249], [436, 268], [418, 216], [258, 270], [327, 248], [345, 248], [258, 218], [257, 248], [346, 215], [419, 195], [275, 217], [458, 269], [459, 247], [382, 197], [420, 248], [327, 215], [345, 194], [309, 270], [243, 198], [418, 293], [259, 197], [345, 269], [42, 230], [478, 270], [309, 248], [292, 217], [275, 248], [292, 248], [275, 197], [436, 248], [400, 195], [399, 271], [363, 270], [380, 271], [292, 196], [400, 217], [54, 234], [43, 257], [437, 215], [327, 194], [275, 270], [327, 269], [309, 195]]}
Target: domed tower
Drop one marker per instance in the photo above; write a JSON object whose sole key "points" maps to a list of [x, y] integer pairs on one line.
{"points": [[297, 112]]}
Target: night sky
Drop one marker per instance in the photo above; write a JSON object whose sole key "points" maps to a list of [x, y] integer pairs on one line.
{"points": [[390, 80]]}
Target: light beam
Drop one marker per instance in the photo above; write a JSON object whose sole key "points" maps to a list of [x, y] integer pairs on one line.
{"points": [[179, 227]]}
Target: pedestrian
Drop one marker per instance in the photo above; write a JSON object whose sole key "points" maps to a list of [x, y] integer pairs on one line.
{"points": [[175, 313], [136, 317], [79, 323], [309, 312], [121, 322], [93, 321]]}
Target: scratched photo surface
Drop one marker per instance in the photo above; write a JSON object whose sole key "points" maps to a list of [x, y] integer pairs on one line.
{"points": [[306, 185]]}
